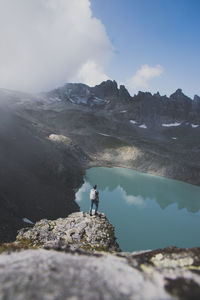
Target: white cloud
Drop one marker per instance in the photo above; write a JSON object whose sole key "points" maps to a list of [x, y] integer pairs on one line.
{"points": [[45, 43], [91, 73], [79, 195], [142, 77], [132, 200]]}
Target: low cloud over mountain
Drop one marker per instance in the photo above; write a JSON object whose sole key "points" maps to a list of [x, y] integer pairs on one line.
{"points": [[46, 43]]}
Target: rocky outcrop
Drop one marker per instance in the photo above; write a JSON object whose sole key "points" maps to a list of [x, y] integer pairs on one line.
{"points": [[80, 259], [106, 89], [77, 231]]}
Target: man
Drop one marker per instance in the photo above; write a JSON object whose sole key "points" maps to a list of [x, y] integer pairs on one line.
{"points": [[94, 198]]}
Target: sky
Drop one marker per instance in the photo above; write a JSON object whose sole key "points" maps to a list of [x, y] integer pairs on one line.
{"points": [[161, 36], [147, 45]]}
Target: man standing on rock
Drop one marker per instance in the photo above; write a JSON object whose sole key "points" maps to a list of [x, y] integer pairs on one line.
{"points": [[94, 198]]}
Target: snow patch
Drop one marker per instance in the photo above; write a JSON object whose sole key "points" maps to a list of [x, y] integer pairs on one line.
{"points": [[133, 122], [174, 138], [55, 99], [82, 100], [27, 221], [171, 124], [123, 111], [71, 100], [143, 126], [59, 138], [104, 134], [194, 125], [98, 100]]}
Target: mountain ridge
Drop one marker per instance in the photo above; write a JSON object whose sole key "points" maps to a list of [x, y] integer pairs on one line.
{"points": [[107, 96], [47, 143], [112, 85]]}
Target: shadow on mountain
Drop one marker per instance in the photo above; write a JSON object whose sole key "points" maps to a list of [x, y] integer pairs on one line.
{"points": [[36, 176]]}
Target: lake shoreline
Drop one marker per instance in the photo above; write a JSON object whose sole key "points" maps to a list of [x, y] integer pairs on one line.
{"points": [[165, 171], [132, 199]]}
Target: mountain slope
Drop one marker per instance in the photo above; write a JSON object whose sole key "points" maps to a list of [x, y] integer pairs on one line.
{"points": [[150, 133], [48, 140], [37, 176]]}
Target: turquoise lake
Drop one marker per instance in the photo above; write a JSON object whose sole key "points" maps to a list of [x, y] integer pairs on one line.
{"points": [[148, 212]]}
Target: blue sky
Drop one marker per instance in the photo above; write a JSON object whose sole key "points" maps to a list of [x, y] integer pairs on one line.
{"points": [[153, 32]]}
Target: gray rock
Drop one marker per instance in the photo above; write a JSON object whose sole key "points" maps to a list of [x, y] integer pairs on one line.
{"points": [[52, 275], [80, 272], [78, 230]]}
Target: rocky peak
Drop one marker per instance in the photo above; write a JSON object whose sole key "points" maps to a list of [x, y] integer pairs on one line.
{"points": [[106, 89], [72, 92], [179, 96], [76, 89], [196, 98], [145, 98], [77, 231], [178, 92], [123, 93], [181, 105], [157, 94], [110, 84], [149, 107], [143, 94]]}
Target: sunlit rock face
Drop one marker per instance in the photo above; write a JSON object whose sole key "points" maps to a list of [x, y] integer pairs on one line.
{"points": [[78, 230]]}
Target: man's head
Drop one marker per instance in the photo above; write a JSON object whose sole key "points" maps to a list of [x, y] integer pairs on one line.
{"points": [[95, 187]]}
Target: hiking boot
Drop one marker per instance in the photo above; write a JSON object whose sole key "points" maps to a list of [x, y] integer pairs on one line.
{"points": [[90, 214]]}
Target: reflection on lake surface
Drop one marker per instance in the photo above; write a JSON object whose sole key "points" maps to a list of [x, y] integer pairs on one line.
{"points": [[148, 211]]}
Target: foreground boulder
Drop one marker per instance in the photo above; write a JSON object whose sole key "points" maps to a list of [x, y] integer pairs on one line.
{"points": [[155, 275], [77, 231], [79, 269]]}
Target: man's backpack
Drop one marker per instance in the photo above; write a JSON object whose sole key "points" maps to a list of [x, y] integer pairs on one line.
{"points": [[92, 194]]}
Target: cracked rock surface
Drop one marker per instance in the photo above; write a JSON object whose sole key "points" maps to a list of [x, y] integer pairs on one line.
{"points": [[78, 230]]}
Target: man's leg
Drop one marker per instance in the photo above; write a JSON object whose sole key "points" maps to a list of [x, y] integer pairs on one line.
{"points": [[96, 206], [91, 206]]}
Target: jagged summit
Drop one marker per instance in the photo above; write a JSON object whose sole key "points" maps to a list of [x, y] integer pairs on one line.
{"points": [[144, 107], [177, 92], [124, 93], [99, 95], [80, 93], [179, 95], [107, 88]]}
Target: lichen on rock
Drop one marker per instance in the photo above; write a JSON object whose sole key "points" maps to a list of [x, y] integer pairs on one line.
{"points": [[77, 231], [170, 273]]}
